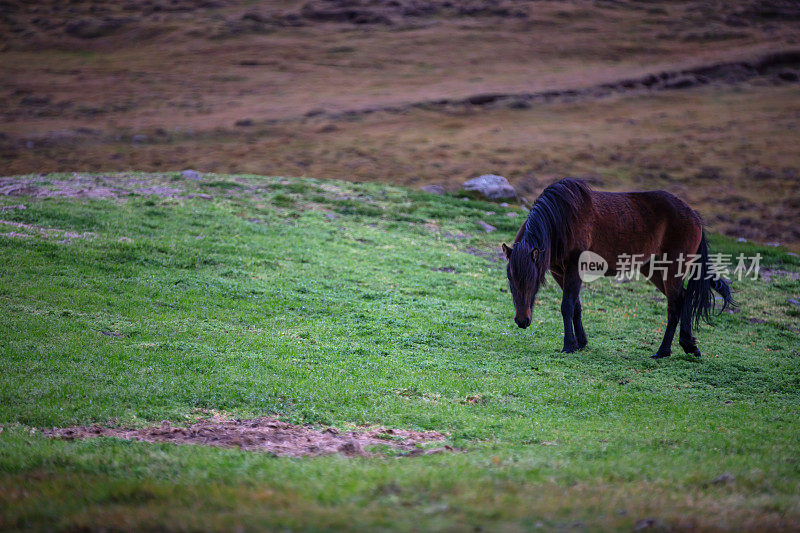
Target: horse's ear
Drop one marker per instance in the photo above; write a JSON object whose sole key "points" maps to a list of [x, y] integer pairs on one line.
{"points": [[535, 254], [507, 251]]}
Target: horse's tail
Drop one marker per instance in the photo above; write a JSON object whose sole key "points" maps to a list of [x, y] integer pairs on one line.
{"points": [[698, 301]]}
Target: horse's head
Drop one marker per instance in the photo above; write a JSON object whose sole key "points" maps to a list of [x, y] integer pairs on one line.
{"points": [[526, 270]]}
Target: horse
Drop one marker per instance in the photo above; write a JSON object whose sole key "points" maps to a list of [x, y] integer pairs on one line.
{"points": [[569, 219]]}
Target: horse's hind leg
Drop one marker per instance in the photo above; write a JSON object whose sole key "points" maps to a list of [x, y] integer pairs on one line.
{"points": [[686, 339], [577, 322], [672, 287]]}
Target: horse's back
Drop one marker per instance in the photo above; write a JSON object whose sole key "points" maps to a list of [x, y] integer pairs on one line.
{"points": [[648, 222]]}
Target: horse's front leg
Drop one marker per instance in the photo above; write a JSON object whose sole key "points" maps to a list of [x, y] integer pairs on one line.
{"points": [[571, 312]]}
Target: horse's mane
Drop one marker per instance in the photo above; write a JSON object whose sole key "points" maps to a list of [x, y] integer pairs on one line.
{"points": [[551, 221]]}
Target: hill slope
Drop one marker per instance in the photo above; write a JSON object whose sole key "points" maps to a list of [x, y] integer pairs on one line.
{"points": [[134, 298]]}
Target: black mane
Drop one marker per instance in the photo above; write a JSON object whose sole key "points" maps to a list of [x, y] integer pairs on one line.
{"points": [[549, 227]]}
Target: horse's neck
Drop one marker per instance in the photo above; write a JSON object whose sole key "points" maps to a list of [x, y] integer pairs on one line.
{"points": [[521, 232]]}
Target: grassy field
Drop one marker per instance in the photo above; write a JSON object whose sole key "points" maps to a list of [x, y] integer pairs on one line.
{"points": [[134, 298]]}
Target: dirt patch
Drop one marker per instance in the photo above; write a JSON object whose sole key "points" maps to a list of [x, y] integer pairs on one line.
{"points": [[88, 187], [32, 230], [70, 189], [494, 256], [767, 274], [269, 435], [163, 192]]}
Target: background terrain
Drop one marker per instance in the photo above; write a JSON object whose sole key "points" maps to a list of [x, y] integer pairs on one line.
{"points": [[698, 97]]}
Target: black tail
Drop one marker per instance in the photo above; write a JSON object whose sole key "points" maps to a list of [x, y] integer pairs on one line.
{"points": [[698, 299]]}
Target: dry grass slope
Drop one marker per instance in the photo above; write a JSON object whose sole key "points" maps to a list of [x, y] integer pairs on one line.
{"points": [[401, 92]]}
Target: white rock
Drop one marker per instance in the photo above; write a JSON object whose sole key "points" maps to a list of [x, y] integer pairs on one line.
{"points": [[487, 227], [491, 186], [434, 189], [191, 174]]}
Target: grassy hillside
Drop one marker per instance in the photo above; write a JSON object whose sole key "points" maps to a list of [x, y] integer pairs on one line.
{"points": [[135, 298]]}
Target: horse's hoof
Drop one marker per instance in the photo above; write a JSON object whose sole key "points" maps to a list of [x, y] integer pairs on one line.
{"points": [[571, 349], [659, 355], [691, 350]]}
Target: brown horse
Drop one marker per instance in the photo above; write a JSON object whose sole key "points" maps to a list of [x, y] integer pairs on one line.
{"points": [[655, 227]]}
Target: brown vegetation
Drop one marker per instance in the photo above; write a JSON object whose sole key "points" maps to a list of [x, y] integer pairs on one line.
{"points": [[675, 95]]}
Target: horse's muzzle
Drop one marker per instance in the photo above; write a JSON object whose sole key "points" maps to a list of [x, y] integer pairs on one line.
{"points": [[522, 322]]}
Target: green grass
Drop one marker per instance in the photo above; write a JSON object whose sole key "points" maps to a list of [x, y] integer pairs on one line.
{"points": [[320, 302]]}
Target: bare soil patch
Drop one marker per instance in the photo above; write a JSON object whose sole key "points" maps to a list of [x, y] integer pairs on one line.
{"points": [[32, 230], [269, 435], [495, 256], [768, 274], [81, 186]]}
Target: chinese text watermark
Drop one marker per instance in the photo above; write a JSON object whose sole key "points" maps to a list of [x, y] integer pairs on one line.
{"points": [[592, 266]]}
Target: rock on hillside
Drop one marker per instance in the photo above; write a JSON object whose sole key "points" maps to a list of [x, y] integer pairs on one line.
{"points": [[491, 186]]}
